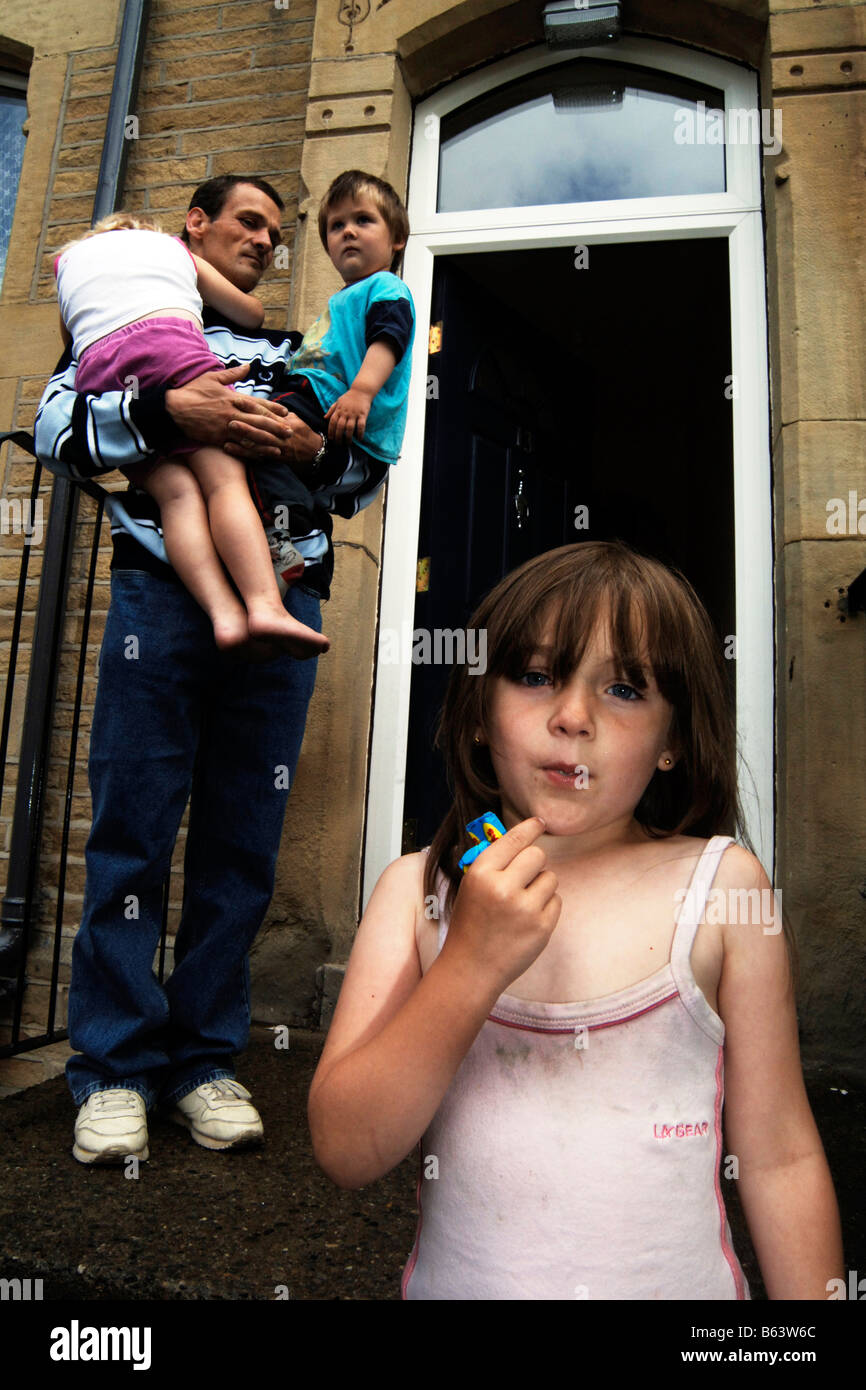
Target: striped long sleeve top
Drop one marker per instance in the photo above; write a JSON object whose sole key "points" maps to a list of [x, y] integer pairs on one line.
{"points": [[82, 437]]}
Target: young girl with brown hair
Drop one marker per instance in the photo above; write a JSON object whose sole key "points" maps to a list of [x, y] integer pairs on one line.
{"points": [[561, 1026]]}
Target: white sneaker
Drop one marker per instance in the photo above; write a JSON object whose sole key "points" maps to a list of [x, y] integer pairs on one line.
{"points": [[287, 560], [111, 1126], [217, 1115]]}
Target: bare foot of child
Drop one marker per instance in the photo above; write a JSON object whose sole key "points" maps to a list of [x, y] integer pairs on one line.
{"points": [[277, 626], [259, 652], [230, 628]]}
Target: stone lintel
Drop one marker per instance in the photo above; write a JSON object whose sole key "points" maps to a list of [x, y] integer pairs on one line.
{"points": [[819, 72], [358, 113]]}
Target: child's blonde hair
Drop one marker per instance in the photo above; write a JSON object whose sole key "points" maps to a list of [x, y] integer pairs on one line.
{"points": [[116, 222]]}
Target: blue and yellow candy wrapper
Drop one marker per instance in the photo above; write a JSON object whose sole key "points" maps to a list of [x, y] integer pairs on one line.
{"points": [[483, 830]]}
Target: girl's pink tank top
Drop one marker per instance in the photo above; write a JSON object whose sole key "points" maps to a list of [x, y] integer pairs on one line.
{"points": [[577, 1152]]}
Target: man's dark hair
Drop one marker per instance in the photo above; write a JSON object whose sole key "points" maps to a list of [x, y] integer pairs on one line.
{"points": [[211, 195]]}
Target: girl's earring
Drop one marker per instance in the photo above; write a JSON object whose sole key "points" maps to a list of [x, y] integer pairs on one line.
{"points": [[477, 738], [667, 762]]}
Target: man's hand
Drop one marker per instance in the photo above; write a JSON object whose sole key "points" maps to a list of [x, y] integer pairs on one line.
{"points": [[347, 417], [206, 411], [297, 443]]}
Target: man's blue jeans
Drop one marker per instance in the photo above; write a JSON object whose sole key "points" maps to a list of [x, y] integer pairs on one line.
{"points": [[175, 719]]}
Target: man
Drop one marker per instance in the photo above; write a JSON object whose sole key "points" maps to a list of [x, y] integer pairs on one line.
{"points": [[175, 719]]}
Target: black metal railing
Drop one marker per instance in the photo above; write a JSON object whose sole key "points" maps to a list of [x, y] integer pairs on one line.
{"points": [[19, 909], [23, 906]]}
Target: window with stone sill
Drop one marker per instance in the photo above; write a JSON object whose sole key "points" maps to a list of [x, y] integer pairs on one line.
{"points": [[13, 112]]}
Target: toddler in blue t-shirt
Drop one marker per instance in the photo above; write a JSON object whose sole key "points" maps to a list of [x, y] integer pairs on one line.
{"points": [[350, 376]]}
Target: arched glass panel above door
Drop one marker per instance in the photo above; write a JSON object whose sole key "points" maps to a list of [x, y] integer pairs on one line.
{"points": [[584, 131]]}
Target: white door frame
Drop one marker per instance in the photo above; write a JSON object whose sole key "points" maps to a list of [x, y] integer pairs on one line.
{"points": [[736, 214]]}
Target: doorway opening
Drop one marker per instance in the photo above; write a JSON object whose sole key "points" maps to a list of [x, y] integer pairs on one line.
{"points": [[575, 394]]}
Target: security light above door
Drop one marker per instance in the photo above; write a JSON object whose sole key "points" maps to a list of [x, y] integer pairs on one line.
{"points": [[581, 23]]}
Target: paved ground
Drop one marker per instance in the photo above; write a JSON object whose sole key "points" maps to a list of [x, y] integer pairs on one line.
{"points": [[196, 1224], [199, 1225], [31, 1068]]}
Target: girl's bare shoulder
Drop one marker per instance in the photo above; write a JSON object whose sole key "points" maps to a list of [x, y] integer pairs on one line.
{"points": [[660, 867], [739, 867], [740, 893], [385, 947], [665, 858], [403, 878], [393, 908], [736, 863]]}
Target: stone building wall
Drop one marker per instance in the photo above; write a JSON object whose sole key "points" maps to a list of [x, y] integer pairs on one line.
{"points": [[816, 266]]}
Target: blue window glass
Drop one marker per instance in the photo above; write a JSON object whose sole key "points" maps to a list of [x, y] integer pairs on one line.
{"points": [[585, 131], [13, 112]]}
